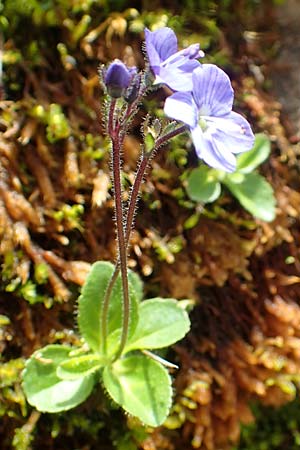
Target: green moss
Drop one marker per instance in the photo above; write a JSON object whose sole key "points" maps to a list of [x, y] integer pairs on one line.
{"points": [[274, 429]]}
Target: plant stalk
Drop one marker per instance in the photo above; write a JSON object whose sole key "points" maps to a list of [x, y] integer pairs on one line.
{"points": [[122, 248], [132, 206], [123, 235]]}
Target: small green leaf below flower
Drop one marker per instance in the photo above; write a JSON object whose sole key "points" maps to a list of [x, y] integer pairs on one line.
{"points": [[161, 323], [141, 386], [254, 193], [202, 185], [248, 161], [45, 390], [252, 190]]}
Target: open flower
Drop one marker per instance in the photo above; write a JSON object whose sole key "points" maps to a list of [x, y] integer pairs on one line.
{"points": [[171, 67], [217, 132], [118, 77]]}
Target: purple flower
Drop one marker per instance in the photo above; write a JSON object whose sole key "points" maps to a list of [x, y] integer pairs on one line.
{"points": [[118, 77], [217, 132], [171, 67]]}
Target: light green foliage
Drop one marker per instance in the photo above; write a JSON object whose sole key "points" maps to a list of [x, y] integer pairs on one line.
{"points": [[129, 439], [58, 377], [28, 291], [44, 389], [251, 189], [41, 273], [57, 124], [91, 302], [161, 323], [10, 372], [142, 386], [71, 215], [80, 366], [22, 438], [255, 194], [95, 147], [4, 320], [260, 152], [43, 12], [12, 399], [203, 185]]}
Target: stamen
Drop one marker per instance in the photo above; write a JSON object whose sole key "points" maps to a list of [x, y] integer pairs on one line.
{"points": [[203, 124]]}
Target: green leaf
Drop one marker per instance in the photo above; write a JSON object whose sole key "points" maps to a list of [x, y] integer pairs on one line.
{"points": [[91, 301], [137, 284], [44, 389], [149, 141], [202, 185], [80, 366], [254, 193], [113, 342], [161, 323], [141, 386], [248, 161]]}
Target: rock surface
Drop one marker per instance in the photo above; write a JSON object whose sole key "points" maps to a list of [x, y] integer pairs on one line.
{"points": [[286, 69]]}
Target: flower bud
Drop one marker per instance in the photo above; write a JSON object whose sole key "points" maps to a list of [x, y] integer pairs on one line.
{"points": [[132, 91], [117, 78]]}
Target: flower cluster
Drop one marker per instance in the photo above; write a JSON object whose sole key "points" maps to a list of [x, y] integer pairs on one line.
{"points": [[202, 97], [202, 100]]}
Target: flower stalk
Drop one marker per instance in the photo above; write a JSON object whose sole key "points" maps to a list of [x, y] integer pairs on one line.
{"points": [[122, 248], [132, 207]]}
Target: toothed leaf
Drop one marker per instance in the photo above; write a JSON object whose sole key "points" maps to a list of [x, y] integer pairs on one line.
{"points": [[45, 390], [141, 386], [161, 323]]}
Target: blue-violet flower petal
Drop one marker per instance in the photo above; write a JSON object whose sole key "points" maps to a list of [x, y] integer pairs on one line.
{"points": [[217, 132], [171, 67]]}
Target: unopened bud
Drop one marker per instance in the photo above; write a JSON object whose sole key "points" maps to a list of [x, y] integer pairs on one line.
{"points": [[117, 78]]}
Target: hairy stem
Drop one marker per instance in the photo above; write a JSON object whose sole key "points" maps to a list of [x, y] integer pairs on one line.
{"points": [[117, 133], [132, 206], [140, 173], [111, 119], [122, 248]]}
